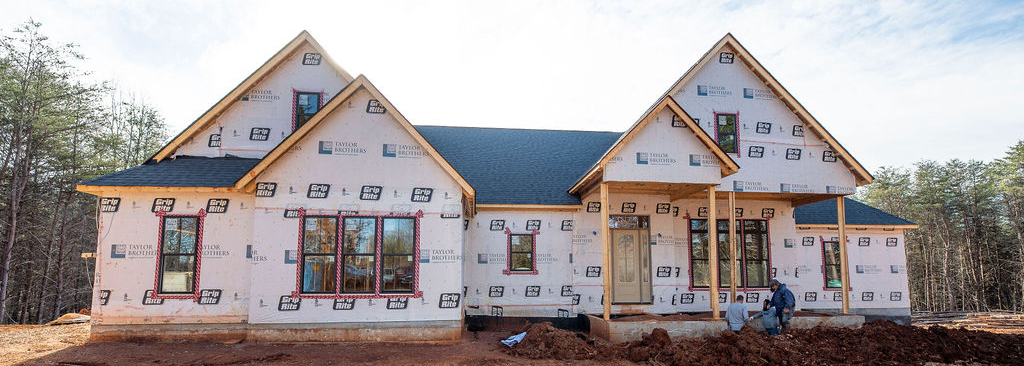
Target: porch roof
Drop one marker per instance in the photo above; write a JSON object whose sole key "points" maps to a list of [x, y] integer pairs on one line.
{"points": [[181, 171], [824, 213]]}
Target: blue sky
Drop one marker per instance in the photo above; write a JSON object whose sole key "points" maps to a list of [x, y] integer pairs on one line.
{"points": [[894, 82]]}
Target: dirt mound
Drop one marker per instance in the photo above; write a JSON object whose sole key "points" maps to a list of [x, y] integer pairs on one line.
{"points": [[543, 340], [70, 318], [876, 343]]}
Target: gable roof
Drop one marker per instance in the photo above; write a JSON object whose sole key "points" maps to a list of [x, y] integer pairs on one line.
{"points": [[728, 165], [857, 214], [519, 166], [232, 97], [182, 171], [245, 183], [729, 42]]}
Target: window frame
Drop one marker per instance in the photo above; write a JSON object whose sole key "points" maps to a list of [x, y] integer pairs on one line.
{"points": [[741, 246], [377, 292], [824, 267], [342, 255], [295, 105], [533, 252], [158, 280], [735, 134], [379, 277], [302, 252]]}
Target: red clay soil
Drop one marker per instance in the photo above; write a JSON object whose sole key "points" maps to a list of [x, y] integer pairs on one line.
{"points": [[475, 349], [877, 343], [544, 341]]}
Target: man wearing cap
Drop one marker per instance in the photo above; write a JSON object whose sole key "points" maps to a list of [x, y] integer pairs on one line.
{"points": [[783, 302]]}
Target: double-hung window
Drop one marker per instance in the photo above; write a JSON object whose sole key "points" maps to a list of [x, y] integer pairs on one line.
{"points": [[521, 251], [398, 273], [725, 130], [371, 256], [306, 105], [752, 253], [359, 253], [319, 238], [831, 263], [178, 254]]}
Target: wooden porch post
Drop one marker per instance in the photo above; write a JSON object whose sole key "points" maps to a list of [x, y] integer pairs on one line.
{"points": [[844, 264], [713, 252], [606, 251], [732, 246]]}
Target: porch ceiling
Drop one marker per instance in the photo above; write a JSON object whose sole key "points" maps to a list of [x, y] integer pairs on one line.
{"points": [[677, 191]]}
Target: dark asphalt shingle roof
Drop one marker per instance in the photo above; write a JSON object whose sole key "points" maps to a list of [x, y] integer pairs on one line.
{"points": [[182, 171], [505, 166], [824, 213], [516, 166]]}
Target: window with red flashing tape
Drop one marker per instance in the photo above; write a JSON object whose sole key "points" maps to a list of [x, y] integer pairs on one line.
{"points": [[374, 256], [522, 253], [398, 246], [180, 250], [359, 255], [319, 254], [726, 132]]}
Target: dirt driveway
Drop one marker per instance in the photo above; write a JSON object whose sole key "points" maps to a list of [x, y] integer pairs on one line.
{"points": [[66, 345]]}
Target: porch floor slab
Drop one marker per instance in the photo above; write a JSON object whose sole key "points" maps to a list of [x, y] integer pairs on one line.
{"points": [[627, 330]]}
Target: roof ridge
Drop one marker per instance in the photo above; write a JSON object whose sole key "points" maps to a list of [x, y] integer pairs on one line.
{"points": [[518, 129]]}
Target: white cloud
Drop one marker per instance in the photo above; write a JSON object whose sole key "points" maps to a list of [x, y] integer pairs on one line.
{"points": [[895, 82]]}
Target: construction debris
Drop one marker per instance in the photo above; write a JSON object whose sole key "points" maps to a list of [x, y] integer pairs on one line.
{"points": [[991, 321], [70, 318]]}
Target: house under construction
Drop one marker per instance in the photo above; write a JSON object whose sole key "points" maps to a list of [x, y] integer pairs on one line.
{"points": [[304, 206]]}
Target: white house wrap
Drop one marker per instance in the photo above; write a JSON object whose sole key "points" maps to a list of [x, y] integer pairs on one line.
{"points": [[304, 207]]}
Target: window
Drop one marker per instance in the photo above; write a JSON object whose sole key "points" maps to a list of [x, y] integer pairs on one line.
{"points": [[397, 270], [181, 241], [831, 263], [755, 253], [360, 256], [319, 238], [521, 252], [358, 252], [752, 249], [725, 130], [306, 105]]}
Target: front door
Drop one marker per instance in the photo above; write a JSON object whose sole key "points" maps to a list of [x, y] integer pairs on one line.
{"points": [[631, 266]]}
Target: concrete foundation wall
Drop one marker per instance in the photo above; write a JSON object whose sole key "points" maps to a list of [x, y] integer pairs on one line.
{"points": [[414, 332]]}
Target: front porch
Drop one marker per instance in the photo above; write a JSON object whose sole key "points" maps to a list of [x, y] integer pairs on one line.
{"points": [[711, 202]]}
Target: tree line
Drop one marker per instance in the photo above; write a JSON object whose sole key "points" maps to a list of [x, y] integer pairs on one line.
{"points": [[968, 254], [57, 128]]}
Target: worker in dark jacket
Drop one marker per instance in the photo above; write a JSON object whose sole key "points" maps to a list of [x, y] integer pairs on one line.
{"points": [[783, 302]]}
